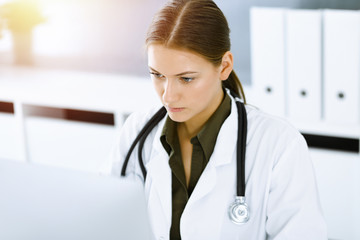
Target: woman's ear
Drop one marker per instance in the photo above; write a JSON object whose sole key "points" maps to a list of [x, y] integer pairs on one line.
{"points": [[227, 64]]}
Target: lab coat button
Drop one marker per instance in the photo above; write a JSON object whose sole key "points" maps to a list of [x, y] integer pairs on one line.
{"points": [[161, 238]]}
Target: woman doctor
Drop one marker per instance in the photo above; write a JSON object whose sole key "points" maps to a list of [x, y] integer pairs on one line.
{"points": [[190, 156]]}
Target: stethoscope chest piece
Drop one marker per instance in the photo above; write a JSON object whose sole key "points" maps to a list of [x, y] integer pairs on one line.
{"points": [[239, 211]]}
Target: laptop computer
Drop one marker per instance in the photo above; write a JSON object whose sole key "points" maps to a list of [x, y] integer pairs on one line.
{"points": [[42, 202]]}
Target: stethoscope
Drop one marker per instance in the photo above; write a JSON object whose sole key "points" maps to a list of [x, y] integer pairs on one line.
{"points": [[239, 212]]}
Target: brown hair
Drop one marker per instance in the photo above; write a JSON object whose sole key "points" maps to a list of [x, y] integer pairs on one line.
{"points": [[198, 26]]}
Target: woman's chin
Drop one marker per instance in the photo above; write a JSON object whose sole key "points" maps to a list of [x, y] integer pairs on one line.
{"points": [[177, 116]]}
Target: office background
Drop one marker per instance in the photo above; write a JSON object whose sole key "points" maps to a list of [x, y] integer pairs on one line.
{"points": [[108, 37], [88, 63]]}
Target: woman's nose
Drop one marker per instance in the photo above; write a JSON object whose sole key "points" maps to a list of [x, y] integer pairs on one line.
{"points": [[170, 94]]}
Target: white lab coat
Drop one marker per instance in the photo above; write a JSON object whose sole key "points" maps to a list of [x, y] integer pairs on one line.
{"points": [[281, 190]]}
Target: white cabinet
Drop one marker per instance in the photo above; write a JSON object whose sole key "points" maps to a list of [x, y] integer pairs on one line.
{"points": [[70, 144], [11, 137], [338, 179]]}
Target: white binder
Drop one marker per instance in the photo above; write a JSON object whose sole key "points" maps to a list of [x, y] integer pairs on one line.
{"points": [[267, 58], [303, 62], [342, 66]]}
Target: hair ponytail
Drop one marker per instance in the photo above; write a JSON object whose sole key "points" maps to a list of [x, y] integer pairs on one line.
{"points": [[234, 85]]}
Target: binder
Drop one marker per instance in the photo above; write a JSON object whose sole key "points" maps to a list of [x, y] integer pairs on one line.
{"points": [[303, 64], [267, 58], [341, 66]]}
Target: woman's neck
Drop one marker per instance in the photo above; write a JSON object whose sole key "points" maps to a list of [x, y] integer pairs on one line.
{"points": [[192, 127]]}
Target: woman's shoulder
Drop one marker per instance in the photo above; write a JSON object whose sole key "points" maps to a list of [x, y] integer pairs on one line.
{"points": [[273, 137], [266, 125], [137, 119]]}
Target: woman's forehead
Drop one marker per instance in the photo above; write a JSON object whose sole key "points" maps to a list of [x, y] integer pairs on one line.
{"points": [[173, 60]]}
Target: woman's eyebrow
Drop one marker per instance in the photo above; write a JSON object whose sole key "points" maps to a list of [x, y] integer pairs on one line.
{"points": [[179, 74], [151, 69], [184, 73]]}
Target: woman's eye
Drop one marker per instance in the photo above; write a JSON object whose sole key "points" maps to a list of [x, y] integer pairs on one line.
{"points": [[187, 79], [157, 75]]}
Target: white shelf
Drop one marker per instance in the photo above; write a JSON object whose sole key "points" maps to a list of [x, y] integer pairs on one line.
{"points": [[328, 129], [79, 90]]}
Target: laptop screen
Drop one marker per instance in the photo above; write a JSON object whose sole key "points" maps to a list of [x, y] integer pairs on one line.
{"points": [[41, 202]]}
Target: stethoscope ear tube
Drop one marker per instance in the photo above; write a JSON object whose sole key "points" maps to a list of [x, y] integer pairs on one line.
{"points": [[142, 136]]}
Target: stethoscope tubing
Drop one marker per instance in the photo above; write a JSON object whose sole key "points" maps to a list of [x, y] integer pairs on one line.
{"points": [[241, 149]]}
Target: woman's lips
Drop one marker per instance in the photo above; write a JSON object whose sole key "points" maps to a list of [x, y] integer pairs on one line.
{"points": [[171, 109]]}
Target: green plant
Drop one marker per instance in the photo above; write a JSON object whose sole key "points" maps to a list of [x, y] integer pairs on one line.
{"points": [[21, 15]]}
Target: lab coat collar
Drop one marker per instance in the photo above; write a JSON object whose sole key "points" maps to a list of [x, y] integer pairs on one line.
{"points": [[159, 172], [226, 141]]}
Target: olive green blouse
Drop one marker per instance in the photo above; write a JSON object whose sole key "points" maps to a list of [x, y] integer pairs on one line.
{"points": [[203, 146]]}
